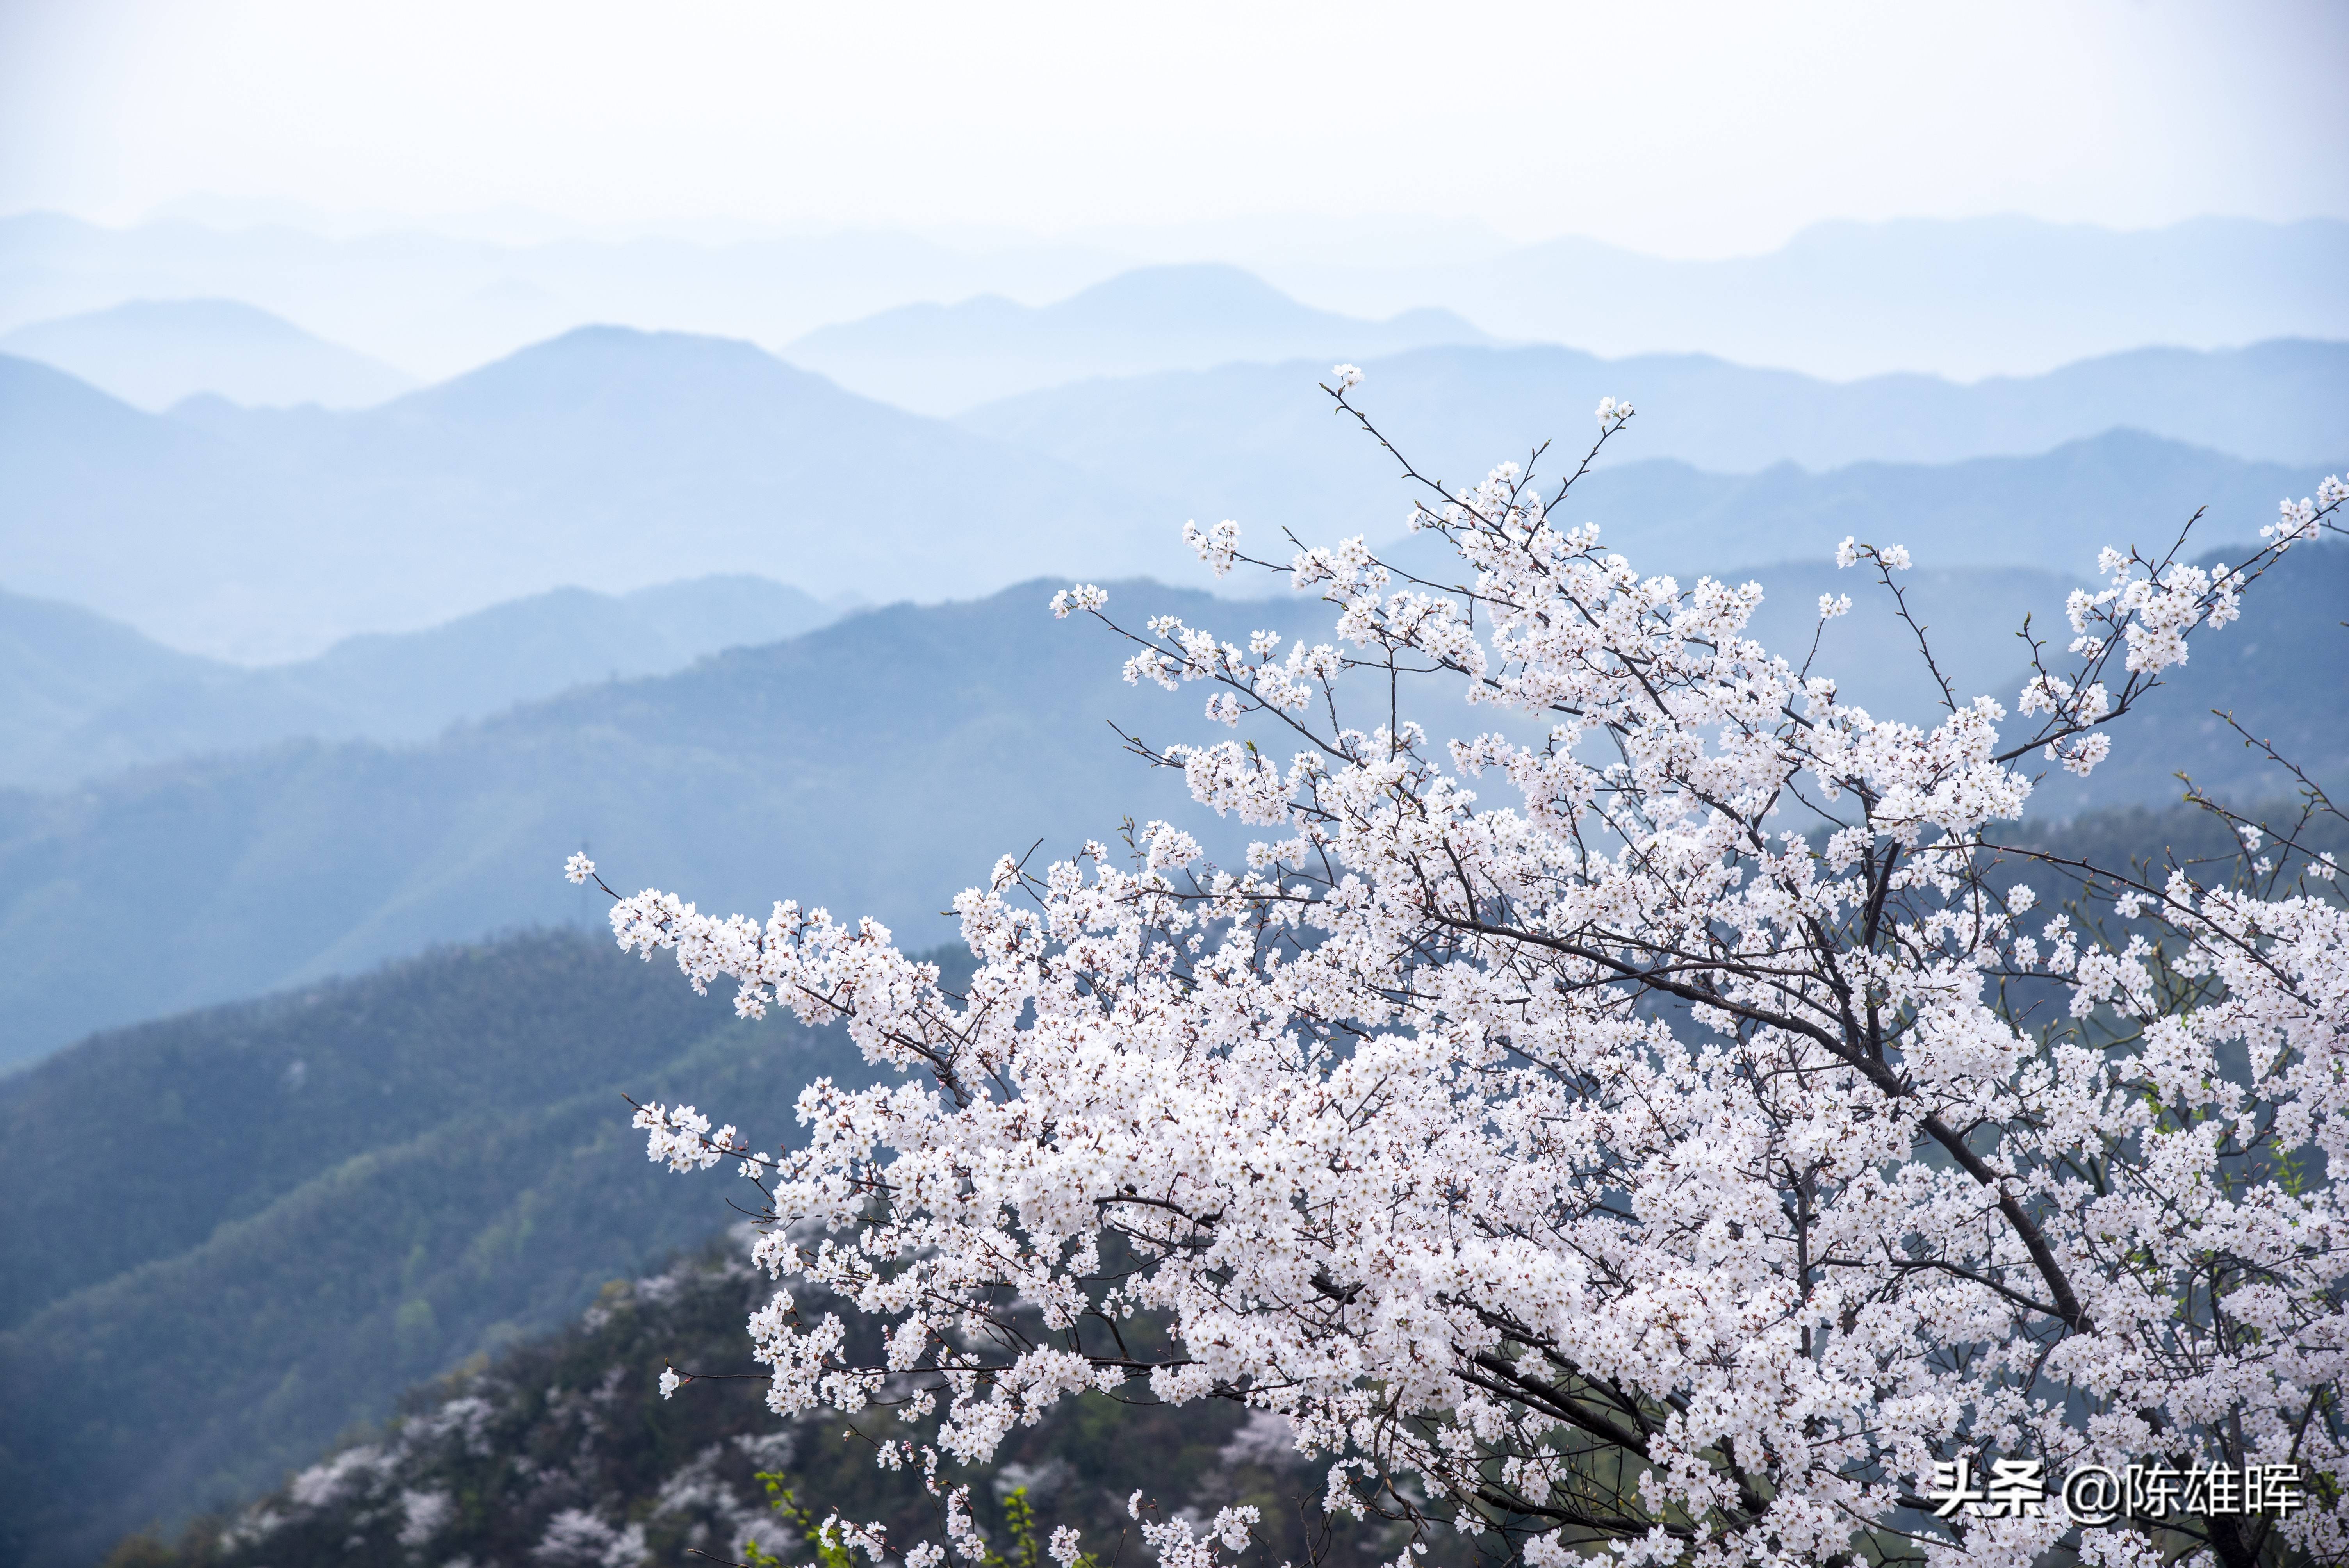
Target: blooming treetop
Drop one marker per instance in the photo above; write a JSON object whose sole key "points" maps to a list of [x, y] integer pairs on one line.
{"points": [[1632, 1129]]}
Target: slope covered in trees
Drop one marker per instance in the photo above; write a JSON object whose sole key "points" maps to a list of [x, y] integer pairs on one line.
{"points": [[82, 696], [892, 755], [561, 1452], [313, 1201], [236, 1233], [875, 766]]}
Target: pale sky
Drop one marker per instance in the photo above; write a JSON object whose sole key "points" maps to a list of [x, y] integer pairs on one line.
{"points": [[1688, 129]]}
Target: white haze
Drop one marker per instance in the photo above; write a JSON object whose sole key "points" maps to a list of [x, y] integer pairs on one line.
{"points": [[1703, 129]]}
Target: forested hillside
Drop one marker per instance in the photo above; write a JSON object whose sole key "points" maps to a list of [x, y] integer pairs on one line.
{"points": [[236, 1233], [561, 1451], [81, 695], [876, 767], [310, 1203]]}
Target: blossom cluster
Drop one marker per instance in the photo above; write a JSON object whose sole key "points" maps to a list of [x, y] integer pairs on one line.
{"points": [[1637, 1120]]}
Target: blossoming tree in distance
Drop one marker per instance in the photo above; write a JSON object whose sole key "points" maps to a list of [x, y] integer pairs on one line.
{"points": [[1654, 1123]]}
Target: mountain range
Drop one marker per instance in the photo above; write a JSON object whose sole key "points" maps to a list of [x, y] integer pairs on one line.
{"points": [[877, 765], [616, 460], [305, 670], [1965, 297], [608, 459], [2054, 511], [153, 352], [942, 359], [2279, 400], [1463, 407], [1240, 442], [440, 305], [1962, 297], [81, 695], [874, 766]]}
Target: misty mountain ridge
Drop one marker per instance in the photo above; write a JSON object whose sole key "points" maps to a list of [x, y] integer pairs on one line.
{"points": [[618, 460], [60, 662], [608, 458], [152, 353], [1457, 409], [875, 766], [1960, 297], [442, 304], [942, 359], [879, 764], [1964, 298], [2053, 513], [81, 695]]}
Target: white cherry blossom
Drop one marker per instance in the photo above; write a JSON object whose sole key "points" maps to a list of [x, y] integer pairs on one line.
{"points": [[1657, 1117]]}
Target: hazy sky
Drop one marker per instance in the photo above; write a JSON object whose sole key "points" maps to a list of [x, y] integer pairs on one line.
{"points": [[1691, 130]]}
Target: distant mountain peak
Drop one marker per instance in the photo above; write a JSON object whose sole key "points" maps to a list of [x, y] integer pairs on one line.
{"points": [[154, 353], [180, 315], [607, 340], [632, 365], [1181, 316], [1186, 283]]}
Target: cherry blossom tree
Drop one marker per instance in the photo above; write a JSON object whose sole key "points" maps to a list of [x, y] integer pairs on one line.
{"points": [[1656, 1122]]}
